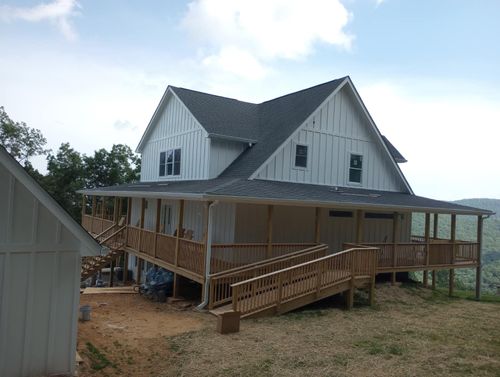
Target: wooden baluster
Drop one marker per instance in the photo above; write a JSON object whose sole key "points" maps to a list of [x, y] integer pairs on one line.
{"points": [[427, 246], [479, 239], [279, 292], [453, 250]]}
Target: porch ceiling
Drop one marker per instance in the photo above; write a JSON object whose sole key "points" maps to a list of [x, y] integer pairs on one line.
{"points": [[285, 193]]}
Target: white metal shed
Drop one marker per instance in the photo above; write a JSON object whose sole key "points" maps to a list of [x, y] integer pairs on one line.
{"points": [[40, 256]]}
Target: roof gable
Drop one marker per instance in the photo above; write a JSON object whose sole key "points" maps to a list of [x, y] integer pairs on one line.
{"points": [[88, 245], [265, 126]]}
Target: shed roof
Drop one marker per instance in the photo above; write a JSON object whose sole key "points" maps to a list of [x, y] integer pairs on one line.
{"points": [[89, 243]]}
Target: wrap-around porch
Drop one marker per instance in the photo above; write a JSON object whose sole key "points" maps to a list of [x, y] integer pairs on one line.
{"points": [[189, 255]]}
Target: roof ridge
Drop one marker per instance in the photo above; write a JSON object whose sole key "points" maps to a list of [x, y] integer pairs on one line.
{"points": [[213, 95], [304, 90]]}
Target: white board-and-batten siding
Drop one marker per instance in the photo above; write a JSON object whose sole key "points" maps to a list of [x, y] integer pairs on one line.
{"points": [[39, 285], [333, 131], [176, 128], [223, 218]]}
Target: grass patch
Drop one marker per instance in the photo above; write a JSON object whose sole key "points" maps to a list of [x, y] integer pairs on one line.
{"points": [[380, 346], [98, 360]]}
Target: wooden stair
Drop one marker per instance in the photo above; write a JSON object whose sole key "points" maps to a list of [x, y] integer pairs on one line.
{"points": [[113, 239]]}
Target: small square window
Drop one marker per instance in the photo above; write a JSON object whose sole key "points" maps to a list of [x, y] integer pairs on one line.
{"points": [[355, 168], [301, 156]]}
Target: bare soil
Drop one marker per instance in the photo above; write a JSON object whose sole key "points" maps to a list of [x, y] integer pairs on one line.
{"points": [[410, 331]]}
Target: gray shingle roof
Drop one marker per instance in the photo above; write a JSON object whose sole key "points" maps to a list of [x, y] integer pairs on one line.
{"points": [[287, 193], [268, 124]]}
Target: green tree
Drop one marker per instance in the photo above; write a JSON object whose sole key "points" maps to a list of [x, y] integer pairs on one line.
{"points": [[118, 166], [65, 175], [21, 141]]}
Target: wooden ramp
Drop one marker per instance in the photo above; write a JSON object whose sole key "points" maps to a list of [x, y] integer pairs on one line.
{"points": [[287, 289]]}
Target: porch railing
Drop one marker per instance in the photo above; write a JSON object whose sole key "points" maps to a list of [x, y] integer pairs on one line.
{"points": [[95, 225], [420, 255], [229, 256], [312, 277], [220, 283]]}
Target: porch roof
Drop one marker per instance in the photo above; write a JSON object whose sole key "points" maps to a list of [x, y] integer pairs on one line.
{"points": [[285, 193]]}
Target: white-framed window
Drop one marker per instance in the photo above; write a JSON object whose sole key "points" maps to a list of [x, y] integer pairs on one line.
{"points": [[170, 162], [355, 168], [301, 155]]}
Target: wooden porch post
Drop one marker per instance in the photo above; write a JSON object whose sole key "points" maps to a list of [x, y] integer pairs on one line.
{"points": [[157, 224], [395, 239], [94, 204], [125, 254], [269, 241], [141, 224], [180, 221], [120, 208], [427, 247], [115, 210], [111, 272], [359, 226], [435, 236], [84, 203], [102, 206], [317, 225], [453, 249], [479, 239], [206, 219]]}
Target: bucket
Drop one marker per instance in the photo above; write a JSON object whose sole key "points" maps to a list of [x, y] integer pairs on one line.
{"points": [[85, 313]]}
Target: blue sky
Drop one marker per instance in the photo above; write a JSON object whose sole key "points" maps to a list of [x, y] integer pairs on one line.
{"points": [[92, 72]]}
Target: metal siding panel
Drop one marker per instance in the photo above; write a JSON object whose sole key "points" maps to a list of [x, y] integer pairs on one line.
{"points": [[16, 313], [43, 272], [65, 291], [4, 200]]}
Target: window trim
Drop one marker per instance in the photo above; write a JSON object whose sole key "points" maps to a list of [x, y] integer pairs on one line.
{"points": [[294, 156], [354, 183], [166, 175]]}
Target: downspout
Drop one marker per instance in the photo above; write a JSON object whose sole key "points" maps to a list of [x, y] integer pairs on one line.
{"points": [[208, 256]]}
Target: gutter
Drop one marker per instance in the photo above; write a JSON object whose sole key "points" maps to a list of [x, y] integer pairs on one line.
{"points": [[208, 256]]}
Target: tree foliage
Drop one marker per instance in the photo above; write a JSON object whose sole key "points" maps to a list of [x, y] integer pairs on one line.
{"points": [[68, 170], [65, 175], [118, 166], [21, 141]]}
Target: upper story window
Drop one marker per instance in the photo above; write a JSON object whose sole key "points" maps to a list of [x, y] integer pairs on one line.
{"points": [[300, 156], [355, 168], [170, 162]]}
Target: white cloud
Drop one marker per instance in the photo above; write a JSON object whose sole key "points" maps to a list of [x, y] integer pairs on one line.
{"points": [[58, 12], [242, 37], [450, 137]]}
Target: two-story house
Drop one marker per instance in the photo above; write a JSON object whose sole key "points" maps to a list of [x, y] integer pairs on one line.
{"points": [[226, 183]]}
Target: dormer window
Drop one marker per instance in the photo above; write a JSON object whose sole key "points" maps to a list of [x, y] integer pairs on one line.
{"points": [[300, 156], [170, 162], [355, 168]]}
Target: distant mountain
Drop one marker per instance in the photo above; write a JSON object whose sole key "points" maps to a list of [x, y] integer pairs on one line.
{"points": [[490, 204], [467, 230]]}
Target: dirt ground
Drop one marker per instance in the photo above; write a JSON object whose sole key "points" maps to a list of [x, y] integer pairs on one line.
{"points": [[409, 332], [128, 331]]}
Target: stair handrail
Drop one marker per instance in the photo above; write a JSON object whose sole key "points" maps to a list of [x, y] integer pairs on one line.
{"points": [[220, 283], [266, 261], [352, 272], [112, 235]]}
